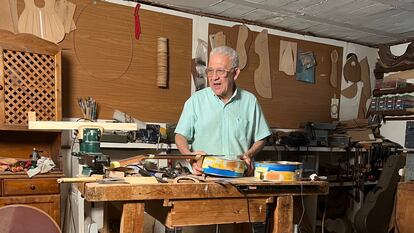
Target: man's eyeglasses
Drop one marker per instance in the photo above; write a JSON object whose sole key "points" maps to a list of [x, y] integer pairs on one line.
{"points": [[219, 72]]}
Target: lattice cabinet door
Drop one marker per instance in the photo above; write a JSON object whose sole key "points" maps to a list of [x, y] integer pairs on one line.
{"points": [[30, 80]]}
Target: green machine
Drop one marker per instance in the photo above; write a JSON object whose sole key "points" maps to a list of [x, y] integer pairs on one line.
{"points": [[90, 151], [89, 135]]}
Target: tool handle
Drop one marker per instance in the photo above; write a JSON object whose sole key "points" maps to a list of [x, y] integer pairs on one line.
{"points": [[79, 179], [139, 158]]}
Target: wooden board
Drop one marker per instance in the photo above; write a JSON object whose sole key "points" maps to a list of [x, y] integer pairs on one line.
{"points": [[405, 207], [70, 125], [292, 101], [115, 192], [182, 212], [102, 59]]}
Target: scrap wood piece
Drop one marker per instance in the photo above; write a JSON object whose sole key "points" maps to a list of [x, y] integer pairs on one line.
{"points": [[362, 110], [287, 57], [366, 89], [132, 160], [407, 74], [283, 215], [351, 91], [132, 219], [262, 79]]}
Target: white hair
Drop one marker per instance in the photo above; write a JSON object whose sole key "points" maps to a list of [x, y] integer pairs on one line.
{"points": [[231, 53]]}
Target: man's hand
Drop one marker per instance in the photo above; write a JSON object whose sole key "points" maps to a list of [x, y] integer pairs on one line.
{"points": [[196, 164], [249, 164]]}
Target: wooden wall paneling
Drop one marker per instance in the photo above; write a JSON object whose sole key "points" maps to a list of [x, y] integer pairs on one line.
{"points": [[102, 59], [293, 101]]}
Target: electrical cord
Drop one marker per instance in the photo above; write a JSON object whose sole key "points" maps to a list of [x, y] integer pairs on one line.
{"points": [[323, 216], [303, 206]]}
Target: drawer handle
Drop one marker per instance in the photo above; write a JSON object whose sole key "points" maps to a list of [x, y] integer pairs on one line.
{"points": [[32, 187]]}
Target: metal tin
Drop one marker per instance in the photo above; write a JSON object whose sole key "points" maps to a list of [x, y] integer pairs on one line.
{"points": [[278, 170], [223, 167]]}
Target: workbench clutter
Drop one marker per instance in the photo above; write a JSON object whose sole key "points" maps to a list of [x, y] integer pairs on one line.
{"points": [[341, 134], [145, 133], [88, 136], [37, 164]]}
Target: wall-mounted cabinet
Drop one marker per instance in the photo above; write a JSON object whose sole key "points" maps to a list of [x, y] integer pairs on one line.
{"points": [[29, 80]]}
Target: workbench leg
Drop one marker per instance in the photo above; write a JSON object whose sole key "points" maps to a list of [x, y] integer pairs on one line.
{"points": [[283, 215], [132, 220]]}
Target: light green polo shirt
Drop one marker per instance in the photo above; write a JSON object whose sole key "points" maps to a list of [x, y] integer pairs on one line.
{"points": [[222, 129]]}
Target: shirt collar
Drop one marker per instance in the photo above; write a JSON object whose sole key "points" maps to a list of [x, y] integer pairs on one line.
{"points": [[235, 94]]}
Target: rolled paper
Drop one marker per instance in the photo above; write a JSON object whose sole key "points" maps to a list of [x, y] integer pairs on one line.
{"points": [[162, 58]]}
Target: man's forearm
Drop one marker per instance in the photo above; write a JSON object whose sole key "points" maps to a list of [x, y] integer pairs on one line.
{"points": [[255, 148], [182, 144]]}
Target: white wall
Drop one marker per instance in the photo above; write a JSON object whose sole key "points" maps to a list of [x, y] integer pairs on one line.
{"points": [[348, 107]]}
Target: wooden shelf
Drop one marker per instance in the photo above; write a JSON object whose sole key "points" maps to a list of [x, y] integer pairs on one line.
{"points": [[378, 92], [349, 183], [402, 112], [395, 115], [399, 118], [379, 70]]}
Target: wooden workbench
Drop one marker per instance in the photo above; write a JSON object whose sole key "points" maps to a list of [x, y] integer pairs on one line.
{"points": [[217, 201]]}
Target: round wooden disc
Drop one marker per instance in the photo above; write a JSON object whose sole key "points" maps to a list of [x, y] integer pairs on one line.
{"points": [[103, 44], [24, 218]]}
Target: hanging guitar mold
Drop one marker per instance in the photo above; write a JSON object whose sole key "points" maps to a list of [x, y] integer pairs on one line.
{"points": [[42, 22], [262, 80], [243, 45]]}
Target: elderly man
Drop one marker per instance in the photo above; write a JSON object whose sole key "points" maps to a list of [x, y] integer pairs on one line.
{"points": [[222, 119]]}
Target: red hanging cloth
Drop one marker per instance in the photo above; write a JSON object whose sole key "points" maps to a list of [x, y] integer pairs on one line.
{"points": [[137, 23]]}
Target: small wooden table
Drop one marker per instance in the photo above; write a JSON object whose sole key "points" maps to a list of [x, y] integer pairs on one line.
{"points": [[211, 202]]}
